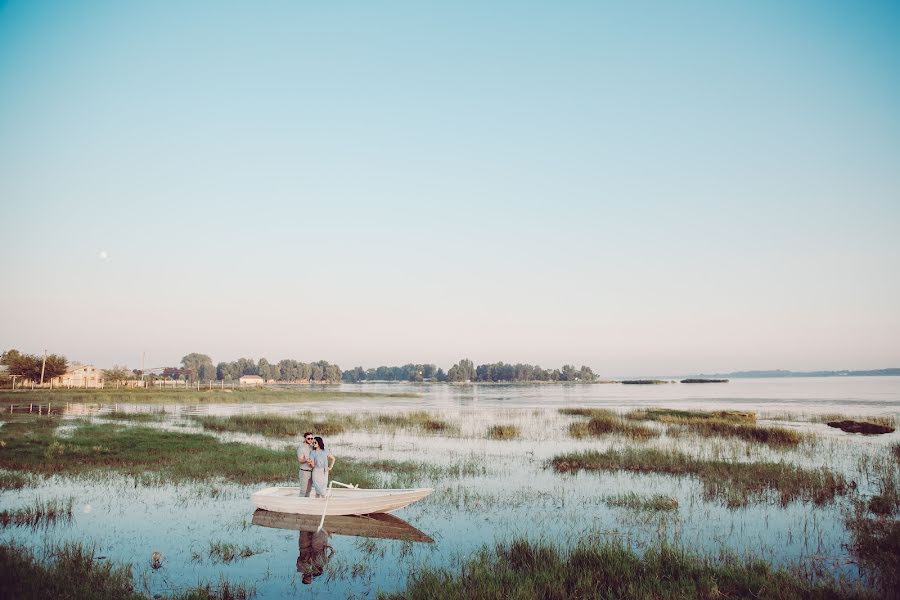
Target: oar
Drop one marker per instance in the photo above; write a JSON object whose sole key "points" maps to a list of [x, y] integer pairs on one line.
{"points": [[328, 497]]}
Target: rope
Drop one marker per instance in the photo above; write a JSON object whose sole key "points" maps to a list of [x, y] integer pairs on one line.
{"points": [[328, 497]]}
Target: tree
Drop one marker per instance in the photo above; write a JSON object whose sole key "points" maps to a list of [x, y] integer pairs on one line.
{"points": [[117, 373], [198, 367], [28, 366]]}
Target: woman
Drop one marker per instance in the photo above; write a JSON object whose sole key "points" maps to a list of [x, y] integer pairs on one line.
{"points": [[321, 462]]}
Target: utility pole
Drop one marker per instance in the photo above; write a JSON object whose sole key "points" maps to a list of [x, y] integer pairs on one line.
{"points": [[43, 366], [143, 357]]}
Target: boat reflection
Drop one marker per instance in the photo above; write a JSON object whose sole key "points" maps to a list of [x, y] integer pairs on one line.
{"points": [[380, 525], [314, 549]]}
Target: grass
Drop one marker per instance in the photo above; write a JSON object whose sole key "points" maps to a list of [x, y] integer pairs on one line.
{"points": [[671, 415], [13, 481], [39, 513], [271, 425], [294, 425], [876, 546], [227, 552], [503, 432], [73, 571], [153, 455], [605, 422], [735, 483], [182, 396], [638, 502], [141, 417], [524, 570], [884, 420], [722, 423]]}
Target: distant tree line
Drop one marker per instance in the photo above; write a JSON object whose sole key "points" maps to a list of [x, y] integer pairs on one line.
{"points": [[28, 366], [465, 370], [199, 367]]}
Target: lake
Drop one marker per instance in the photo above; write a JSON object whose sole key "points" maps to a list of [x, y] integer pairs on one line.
{"points": [[486, 490]]}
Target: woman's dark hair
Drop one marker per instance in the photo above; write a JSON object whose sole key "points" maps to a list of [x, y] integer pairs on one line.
{"points": [[321, 442]]}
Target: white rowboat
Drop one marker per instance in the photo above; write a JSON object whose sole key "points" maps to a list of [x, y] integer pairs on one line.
{"points": [[352, 501]]}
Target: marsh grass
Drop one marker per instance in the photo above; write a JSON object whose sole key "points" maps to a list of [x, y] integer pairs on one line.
{"points": [[671, 415], [190, 396], [525, 570], [137, 417], [13, 481], [876, 546], [642, 503], [503, 432], [73, 571], [883, 420], [605, 422], [407, 473], [725, 424], [227, 552], [40, 513], [735, 483], [332, 424], [155, 456], [778, 437]]}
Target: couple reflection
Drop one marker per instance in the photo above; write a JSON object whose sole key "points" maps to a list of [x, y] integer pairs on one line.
{"points": [[314, 546], [314, 554]]}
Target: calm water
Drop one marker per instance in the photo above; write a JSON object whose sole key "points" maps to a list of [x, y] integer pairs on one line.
{"points": [[485, 491]]}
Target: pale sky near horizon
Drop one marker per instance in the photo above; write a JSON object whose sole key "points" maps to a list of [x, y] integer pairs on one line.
{"points": [[646, 188]]}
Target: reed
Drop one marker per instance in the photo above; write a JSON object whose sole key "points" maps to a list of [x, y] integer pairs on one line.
{"points": [[642, 503], [735, 483], [39, 513], [137, 417], [876, 546], [503, 432], [13, 481], [883, 420], [779, 437], [332, 424], [525, 570], [156, 456], [74, 571], [216, 395], [605, 422], [227, 552], [671, 415]]}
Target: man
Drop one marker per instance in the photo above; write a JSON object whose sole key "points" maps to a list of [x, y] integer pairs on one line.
{"points": [[305, 467]]}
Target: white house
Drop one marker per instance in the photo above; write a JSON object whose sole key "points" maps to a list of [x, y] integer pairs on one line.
{"points": [[79, 375], [251, 380]]}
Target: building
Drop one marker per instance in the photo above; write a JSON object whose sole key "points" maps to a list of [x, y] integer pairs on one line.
{"points": [[82, 376], [251, 380]]}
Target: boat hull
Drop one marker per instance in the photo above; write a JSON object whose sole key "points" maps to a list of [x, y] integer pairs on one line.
{"points": [[377, 525], [342, 501]]}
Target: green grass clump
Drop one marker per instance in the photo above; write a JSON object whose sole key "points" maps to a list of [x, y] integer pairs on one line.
{"points": [[227, 552], [772, 436], [735, 483], [412, 420], [140, 417], [272, 425], [605, 422], [157, 456], [39, 513], [73, 571], [671, 415], [638, 502], [13, 481], [185, 396], [524, 570], [503, 432]]}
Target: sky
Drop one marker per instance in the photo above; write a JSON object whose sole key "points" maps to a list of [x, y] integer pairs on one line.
{"points": [[642, 187]]}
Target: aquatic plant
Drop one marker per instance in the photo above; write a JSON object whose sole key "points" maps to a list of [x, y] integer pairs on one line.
{"points": [[639, 502], [137, 417], [769, 435], [876, 546], [605, 422], [736, 483], [13, 481], [227, 552], [527, 570], [39, 513], [503, 432], [673, 415], [74, 571]]}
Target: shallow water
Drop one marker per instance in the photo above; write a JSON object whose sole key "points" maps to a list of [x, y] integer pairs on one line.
{"points": [[488, 490]]}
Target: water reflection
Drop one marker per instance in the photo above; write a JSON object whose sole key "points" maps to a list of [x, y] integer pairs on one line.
{"points": [[381, 525], [314, 549], [314, 554]]}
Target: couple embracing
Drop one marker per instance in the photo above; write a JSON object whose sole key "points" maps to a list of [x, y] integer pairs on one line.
{"points": [[315, 464]]}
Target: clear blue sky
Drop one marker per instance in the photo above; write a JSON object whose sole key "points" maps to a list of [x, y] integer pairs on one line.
{"points": [[641, 187]]}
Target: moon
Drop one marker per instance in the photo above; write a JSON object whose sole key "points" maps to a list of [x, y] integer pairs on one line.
{"points": [[103, 255]]}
